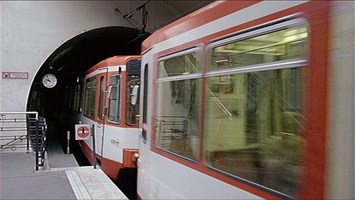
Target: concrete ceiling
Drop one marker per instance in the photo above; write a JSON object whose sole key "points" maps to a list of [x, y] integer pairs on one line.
{"points": [[185, 7]]}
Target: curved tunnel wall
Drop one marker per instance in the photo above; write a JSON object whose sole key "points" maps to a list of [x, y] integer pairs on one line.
{"points": [[70, 61], [33, 31]]}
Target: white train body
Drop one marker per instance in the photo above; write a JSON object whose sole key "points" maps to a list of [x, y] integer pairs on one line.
{"points": [[108, 106], [228, 114]]}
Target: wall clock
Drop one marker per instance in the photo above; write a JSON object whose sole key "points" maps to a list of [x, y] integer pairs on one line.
{"points": [[49, 80]]}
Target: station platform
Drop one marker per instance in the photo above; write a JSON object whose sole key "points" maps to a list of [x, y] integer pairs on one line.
{"points": [[60, 178]]}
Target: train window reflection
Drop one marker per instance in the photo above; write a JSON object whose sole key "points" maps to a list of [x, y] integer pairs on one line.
{"points": [[132, 109], [90, 95], [177, 117], [253, 127], [275, 46], [114, 99], [180, 65], [102, 97]]}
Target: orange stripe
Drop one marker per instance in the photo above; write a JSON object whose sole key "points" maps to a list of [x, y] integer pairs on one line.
{"points": [[87, 151], [313, 186], [110, 167]]}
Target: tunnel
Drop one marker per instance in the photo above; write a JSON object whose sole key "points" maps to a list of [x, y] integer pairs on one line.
{"points": [[69, 63]]}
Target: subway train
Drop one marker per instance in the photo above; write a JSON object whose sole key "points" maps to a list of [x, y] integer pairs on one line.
{"points": [[249, 100], [111, 103]]}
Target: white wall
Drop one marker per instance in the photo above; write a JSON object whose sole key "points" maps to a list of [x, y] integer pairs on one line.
{"points": [[341, 149], [32, 30]]}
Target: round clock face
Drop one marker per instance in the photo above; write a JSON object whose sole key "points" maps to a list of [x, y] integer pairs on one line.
{"points": [[49, 80]]}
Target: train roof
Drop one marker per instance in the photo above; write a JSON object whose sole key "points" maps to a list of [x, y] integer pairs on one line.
{"points": [[209, 13], [113, 61]]}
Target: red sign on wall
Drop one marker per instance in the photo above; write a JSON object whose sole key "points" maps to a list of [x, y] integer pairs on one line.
{"points": [[15, 75]]}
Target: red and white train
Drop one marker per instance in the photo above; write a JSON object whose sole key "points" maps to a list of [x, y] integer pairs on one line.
{"points": [[238, 100], [111, 104], [250, 100]]}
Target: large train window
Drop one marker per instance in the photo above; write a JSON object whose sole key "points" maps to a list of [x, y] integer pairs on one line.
{"points": [[285, 44], [90, 95], [178, 100], [180, 65], [114, 102], [254, 116]]}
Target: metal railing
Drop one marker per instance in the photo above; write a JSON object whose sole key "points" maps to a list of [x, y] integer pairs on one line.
{"points": [[21, 130], [169, 128]]}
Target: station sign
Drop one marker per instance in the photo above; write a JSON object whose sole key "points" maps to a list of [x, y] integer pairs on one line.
{"points": [[15, 75], [82, 131]]}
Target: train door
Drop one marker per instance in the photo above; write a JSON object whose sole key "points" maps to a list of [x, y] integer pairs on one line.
{"points": [[100, 126]]}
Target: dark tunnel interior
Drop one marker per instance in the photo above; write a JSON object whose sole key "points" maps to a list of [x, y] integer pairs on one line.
{"points": [[69, 63]]}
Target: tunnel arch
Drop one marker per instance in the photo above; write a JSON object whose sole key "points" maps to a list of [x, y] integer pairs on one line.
{"points": [[69, 62], [81, 52], [86, 49]]}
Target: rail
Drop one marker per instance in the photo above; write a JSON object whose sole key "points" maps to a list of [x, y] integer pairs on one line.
{"points": [[23, 132]]}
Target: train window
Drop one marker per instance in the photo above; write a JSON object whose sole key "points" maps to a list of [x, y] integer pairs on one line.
{"points": [[254, 120], [177, 118], [145, 93], [280, 45], [180, 65], [132, 105], [253, 127], [90, 95], [102, 93], [114, 99]]}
